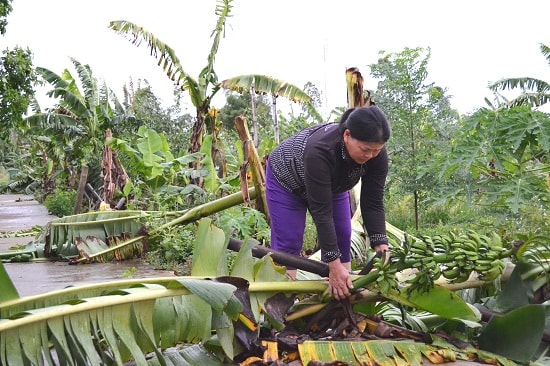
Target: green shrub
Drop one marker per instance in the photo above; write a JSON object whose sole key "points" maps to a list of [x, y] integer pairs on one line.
{"points": [[400, 212], [172, 249], [243, 222], [60, 203]]}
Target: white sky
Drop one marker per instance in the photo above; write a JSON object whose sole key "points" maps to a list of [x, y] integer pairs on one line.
{"points": [[473, 42]]}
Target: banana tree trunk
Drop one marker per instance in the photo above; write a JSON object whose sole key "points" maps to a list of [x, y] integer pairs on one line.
{"points": [[113, 173], [283, 259], [275, 119], [197, 134], [251, 158], [254, 116]]}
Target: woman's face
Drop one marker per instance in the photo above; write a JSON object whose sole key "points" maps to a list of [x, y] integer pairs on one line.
{"points": [[361, 151]]}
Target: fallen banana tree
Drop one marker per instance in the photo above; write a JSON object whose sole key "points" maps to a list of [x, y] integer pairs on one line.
{"points": [[103, 236], [246, 311]]}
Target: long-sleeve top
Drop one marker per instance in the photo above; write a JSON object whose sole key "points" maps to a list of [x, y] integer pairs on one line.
{"points": [[314, 164]]}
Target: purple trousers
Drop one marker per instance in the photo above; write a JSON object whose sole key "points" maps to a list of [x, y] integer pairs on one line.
{"points": [[287, 212]]}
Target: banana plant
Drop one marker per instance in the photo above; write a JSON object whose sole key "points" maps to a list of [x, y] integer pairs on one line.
{"points": [[124, 320], [516, 275], [533, 91], [73, 131], [122, 324], [203, 88]]}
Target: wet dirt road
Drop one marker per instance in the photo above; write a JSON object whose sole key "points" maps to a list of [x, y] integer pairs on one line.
{"points": [[22, 212]]}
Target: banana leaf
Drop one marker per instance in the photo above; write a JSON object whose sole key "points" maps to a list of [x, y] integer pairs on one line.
{"points": [[129, 321], [517, 334], [391, 353], [61, 235], [9, 292]]}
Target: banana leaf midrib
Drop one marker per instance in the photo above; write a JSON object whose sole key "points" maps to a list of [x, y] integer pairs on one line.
{"points": [[316, 286], [85, 223], [104, 213], [110, 300]]}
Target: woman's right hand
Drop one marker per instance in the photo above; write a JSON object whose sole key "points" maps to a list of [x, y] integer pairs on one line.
{"points": [[339, 281]]}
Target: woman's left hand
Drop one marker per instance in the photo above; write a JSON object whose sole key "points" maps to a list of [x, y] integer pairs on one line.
{"points": [[384, 249]]}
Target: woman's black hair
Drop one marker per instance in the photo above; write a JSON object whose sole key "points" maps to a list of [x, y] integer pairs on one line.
{"points": [[367, 124]]}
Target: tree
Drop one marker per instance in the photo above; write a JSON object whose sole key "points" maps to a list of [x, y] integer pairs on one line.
{"points": [[17, 79], [505, 152], [202, 89], [237, 104], [534, 92], [5, 9], [421, 118]]}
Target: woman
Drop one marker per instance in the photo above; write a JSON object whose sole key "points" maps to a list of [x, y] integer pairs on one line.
{"points": [[313, 170]]}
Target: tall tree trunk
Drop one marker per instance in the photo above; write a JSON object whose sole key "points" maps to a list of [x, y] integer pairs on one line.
{"points": [[254, 116], [113, 173], [275, 120], [197, 134]]}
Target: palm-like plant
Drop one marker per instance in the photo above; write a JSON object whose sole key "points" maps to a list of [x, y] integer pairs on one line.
{"points": [[266, 85], [534, 92], [203, 88], [120, 321], [72, 133]]}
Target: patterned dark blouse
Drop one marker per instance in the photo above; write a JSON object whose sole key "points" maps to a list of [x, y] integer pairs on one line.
{"points": [[314, 164]]}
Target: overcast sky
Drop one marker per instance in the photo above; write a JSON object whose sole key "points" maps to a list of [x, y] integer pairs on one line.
{"points": [[473, 42]]}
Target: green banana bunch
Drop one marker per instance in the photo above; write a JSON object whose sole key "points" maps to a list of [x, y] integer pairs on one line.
{"points": [[459, 256], [386, 280], [455, 256], [422, 281], [474, 252]]}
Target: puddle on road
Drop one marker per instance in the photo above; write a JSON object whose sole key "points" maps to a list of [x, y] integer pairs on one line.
{"points": [[33, 278]]}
